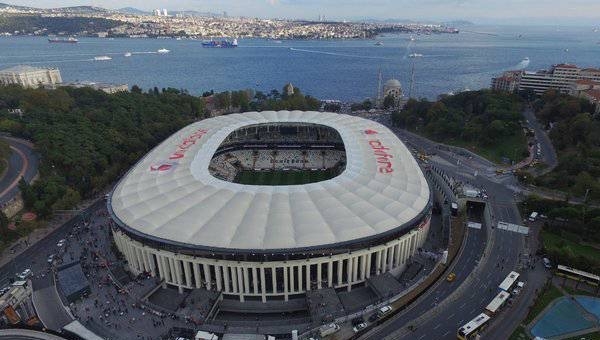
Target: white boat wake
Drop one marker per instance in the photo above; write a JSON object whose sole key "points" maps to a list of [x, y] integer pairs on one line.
{"points": [[338, 54]]}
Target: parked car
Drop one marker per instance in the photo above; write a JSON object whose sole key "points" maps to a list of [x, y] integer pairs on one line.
{"points": [[61, 243], [359, 327], [51, 258], [451, 277], [25, 274]]}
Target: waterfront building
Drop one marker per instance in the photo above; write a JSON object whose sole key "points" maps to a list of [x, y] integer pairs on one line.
{"points": [[559, 77], [587, 89], [29, 76], [508, 82]]}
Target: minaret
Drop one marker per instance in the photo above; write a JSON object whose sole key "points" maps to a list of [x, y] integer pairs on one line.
{"points": [[379, 99]]}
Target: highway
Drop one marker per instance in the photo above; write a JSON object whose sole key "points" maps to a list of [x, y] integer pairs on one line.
{"points": [[447, 306], [23, 162]]}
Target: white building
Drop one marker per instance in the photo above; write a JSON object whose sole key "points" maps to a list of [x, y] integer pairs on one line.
{"points": [[177, 221], [28, 76], [559, 77]]}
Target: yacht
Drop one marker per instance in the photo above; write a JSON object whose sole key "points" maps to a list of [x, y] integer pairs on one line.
{"points": [[379, 43], [525, 60], [415, 55], [128, 54], [102, 57], [163, 51]]}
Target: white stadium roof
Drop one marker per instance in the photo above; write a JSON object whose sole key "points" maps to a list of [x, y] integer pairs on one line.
{"points": [[170, 195]]}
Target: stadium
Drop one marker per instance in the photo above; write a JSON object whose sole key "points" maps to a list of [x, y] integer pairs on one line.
{"points": [[270, 205]]}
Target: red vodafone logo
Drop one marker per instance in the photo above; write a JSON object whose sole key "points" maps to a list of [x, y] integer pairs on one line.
{"points": [[370, 132], [162, 167], [382, 155]]}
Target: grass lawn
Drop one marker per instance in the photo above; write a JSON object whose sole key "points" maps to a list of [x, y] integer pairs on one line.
{"points": [[511, 147], [548, 295], [280, 177], [553, 241], [590, 336]]}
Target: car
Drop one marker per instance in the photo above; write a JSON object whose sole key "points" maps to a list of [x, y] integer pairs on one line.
{"points": [[451, 277], [358, 320], [25, 274], [384, 310], [359, 327], [373, 317], [61, 243], [4, 290], [51, 258]]}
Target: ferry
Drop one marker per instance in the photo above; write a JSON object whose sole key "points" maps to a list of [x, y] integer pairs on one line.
{"points": [[128, 54], [525, 60], [379, 43], [415, 55], [69, 40], [163, 51], [220, 44], [102, 58]]}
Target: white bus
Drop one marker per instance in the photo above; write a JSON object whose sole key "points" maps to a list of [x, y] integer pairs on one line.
{"points": [[577, 275], [473, 328], [497, 303], [509, 281]]}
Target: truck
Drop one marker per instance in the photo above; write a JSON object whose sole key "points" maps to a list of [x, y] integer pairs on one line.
{"points": [[472, 193], [328, 329]]}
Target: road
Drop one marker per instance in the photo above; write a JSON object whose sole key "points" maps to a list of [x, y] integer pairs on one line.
{"points": [[548, 154], [23, 162], [435, 315]]}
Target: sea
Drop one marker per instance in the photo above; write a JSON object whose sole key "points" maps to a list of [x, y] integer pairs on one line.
{"points": [[345, 70]]}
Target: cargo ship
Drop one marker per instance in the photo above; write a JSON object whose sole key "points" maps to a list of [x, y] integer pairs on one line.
{"points": [[220, 44], [69, 40]]}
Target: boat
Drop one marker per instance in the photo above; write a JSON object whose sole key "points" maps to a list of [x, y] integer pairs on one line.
{"points": [[220, 44], [566, 50], [379, 43], [163, 51], [277, 41], [128, 54], [525, 60], [411, 38], [415, 55], [69, 40], [102, 57]]}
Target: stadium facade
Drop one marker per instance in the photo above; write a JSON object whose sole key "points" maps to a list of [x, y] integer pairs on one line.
{"points": [[180, 214]]}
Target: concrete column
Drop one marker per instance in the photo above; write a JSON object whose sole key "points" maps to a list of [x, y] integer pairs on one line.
{"points": [[368, 264], [355, 268], [145, 260], [390, 258], [308, 276], [263, 285], [299, 280], [285, 283], [319, 275], [246, 280], [398, 255], [292, 280], [226, 279], [168, 272], [197, 276], [330, 273], [161, 271], [274, 279], [234, 279], [218, 277], [177, 266], [378, 262], [349, 269], [384, 260], [152, 264], [188, 273], [340, 269], [240, 279], [255, 280], [207, 276]]}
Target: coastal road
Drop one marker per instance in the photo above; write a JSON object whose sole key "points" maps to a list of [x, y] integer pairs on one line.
{"points": [[23, 162]]}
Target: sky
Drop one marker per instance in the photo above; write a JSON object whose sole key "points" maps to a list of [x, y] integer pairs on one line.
{"points": [[551, 12]]}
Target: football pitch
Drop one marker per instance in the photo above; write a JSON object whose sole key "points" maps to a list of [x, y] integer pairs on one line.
{"points": [[280, 177]]}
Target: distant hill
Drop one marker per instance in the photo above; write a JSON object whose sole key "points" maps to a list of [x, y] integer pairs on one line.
{"points": [[131, 10], [81, 9], [4, 5]]}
